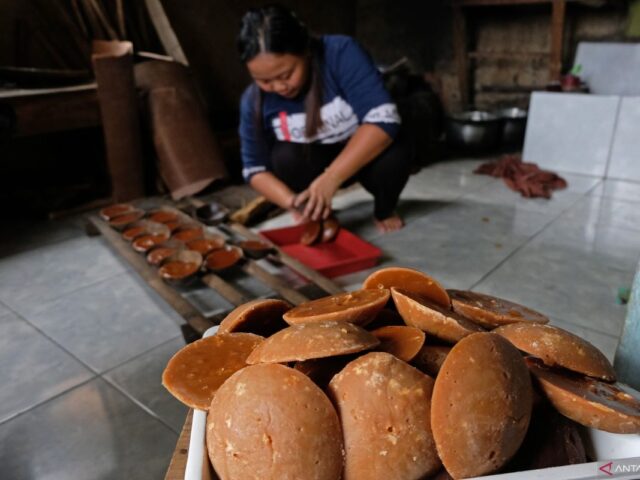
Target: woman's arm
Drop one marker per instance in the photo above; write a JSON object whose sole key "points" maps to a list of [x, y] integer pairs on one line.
{"points": [[271, 187], [366, 144]]}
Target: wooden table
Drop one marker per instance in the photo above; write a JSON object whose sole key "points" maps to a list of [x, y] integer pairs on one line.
{"points": [[179, 459]]}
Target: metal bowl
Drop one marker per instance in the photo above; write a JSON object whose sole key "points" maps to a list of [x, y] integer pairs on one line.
{"points": [[513, 127], [473, 131]]}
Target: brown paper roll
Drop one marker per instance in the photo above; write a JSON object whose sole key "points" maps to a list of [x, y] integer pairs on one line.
{"points": [[113, 67], [188, 153]]}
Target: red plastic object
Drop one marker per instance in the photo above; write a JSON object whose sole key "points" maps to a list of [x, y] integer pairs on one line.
{"points": [[348, 253]]}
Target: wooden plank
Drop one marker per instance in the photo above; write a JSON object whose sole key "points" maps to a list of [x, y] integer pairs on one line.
{"points": [[15, 93], [510, 88], [165, 32], [508, 55], [228, 291], [54, 112], [178, 462], [485, 3], [139, 264], [320, 280], [460, 53], [557, 37], [279, 285]]}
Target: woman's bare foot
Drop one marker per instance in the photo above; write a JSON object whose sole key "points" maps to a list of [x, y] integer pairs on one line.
{"points": [[389, 224]]}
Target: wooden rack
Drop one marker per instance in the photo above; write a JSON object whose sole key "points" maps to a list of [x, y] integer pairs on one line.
{"points": [[192, 317]]}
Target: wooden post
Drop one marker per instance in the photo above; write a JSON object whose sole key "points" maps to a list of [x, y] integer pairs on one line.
{"points": [[557, 34], [627, 360], [460, 53]]}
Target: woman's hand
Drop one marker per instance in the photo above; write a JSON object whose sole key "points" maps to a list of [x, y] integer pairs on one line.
{"points": [[318, 197]]}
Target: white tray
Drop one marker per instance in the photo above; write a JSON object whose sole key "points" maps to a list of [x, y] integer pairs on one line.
{"points": [[604, 446]]}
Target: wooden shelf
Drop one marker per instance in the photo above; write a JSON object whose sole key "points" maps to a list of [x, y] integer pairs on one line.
{"points": [[510, 88], [488, 3], [509, 55], [461, 40]]}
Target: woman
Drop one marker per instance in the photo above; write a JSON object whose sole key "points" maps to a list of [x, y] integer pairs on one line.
{"points": [[317, 117]]}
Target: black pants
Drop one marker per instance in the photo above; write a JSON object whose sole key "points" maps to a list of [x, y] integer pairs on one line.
{"points": [[297, 165]]}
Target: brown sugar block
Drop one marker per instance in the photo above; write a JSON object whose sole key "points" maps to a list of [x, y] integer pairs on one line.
{"points": [[262, 317], [551, 441], [419, 312], [384, 406], [410, 280], [313, 340], [557, 347], [205, 245], [113, 211], [491, 312], [133, 231], [159, 254], [146, 242], [611, 407], [311, 233], [330, 229], [163, 216], [178, 269], [186, 233], [270, 422], [223, 258], [481, 405], [400, 341], [120, 222], [180, 265], [196, 371], [359, 307], [430, 359]]}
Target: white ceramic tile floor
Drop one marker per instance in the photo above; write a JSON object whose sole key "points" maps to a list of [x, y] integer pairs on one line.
{"points": [[70, 296]]}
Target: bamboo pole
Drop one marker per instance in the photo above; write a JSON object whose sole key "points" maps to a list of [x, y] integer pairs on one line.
{"points": [[120, 16], [165, 32]]}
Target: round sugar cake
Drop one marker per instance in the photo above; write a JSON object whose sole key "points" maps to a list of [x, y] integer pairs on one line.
{"points": [[481, 405], [270, 422], [313, 340], [195, 372]]}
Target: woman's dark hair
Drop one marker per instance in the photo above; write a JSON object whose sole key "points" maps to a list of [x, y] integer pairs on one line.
{"points": [[275, 29]]}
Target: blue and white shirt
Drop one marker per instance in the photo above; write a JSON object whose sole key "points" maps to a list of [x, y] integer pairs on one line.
{"points": [[353, 94]]}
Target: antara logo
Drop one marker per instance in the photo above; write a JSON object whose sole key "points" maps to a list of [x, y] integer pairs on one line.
{"points": [[606, 468], [621, 467]]}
